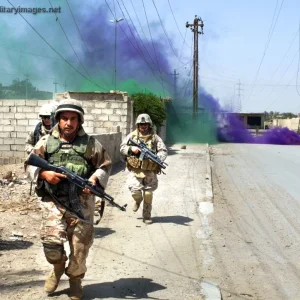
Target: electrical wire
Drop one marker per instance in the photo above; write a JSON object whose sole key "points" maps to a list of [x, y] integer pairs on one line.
{"points": [[54, 48], [184, 42], [77, 26], [141, 42], [298, 63], [163, 27], [84, 68], [134, 45], [266, 47]]}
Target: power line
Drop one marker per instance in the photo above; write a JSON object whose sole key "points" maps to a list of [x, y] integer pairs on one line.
{"points": [[166, 33], [133, 44], [141, 42], [298, 62], [266, 46], [283, 74], [57, 19], [77, 26], [184, 42], [54, 48], [280, 94]]}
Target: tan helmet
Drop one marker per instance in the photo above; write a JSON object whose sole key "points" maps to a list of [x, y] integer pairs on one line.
{"points": [[47, 110], [143, 118], [70, 105]]}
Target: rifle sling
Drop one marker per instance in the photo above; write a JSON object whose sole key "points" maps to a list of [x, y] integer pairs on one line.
{"points": [[70, 211]]}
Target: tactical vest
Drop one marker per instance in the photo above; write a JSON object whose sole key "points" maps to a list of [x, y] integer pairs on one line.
{"points": [[70, 156], [133, 162], [37, 133]]}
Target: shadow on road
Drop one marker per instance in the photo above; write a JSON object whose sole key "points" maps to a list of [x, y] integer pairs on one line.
{"points": [[180, 220], [124, 288], [101, 232], [118, 167], [14, 245]]}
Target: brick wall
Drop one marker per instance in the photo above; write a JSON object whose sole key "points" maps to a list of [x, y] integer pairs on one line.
{"points": [[108, 116]]}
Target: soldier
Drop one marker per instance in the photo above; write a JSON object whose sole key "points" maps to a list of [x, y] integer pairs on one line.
{"points": [[68, 145], [42, 128], [142, 179]]}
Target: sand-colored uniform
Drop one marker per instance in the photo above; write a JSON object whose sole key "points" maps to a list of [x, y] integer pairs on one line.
{"points": [[30, 143], [58, 225], [142, 179]]}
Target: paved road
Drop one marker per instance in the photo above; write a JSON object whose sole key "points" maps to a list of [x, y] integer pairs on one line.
{"points": [[130, 260], [256, 221], [161, 261]]}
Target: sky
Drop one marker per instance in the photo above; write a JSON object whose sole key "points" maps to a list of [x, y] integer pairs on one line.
{"points": [[248, 54]]}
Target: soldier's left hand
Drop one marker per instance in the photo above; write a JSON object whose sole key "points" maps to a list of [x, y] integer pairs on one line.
{"points": [[93, 180]]}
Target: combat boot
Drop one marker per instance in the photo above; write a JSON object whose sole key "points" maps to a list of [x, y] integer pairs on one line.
{"points": [[76, 291], [137, 199], [52, 281], [147, 213], [148, 196]]}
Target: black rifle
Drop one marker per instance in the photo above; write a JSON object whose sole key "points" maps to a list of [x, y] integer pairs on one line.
{"points": [[73, 178], [147, 153]]}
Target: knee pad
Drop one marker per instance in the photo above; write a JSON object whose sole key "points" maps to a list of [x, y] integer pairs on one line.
{"points": [[54, 253], [137, 196], [148, 195]]}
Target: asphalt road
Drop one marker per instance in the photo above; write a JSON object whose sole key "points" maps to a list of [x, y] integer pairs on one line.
{"points": [[256, 221], [131, 260]]}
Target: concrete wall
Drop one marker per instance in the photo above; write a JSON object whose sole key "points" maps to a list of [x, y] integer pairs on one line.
{"points": [[291, 124], [107, 116]]}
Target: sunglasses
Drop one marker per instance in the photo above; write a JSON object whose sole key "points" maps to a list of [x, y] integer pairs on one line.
{"points": [[45, 117]]}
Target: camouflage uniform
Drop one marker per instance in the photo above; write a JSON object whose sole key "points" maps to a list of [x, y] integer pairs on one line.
{"points": [[29, 143], [40, 129], [142, 179], [58, 225]]}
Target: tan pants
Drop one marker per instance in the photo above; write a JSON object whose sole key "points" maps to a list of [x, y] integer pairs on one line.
{"points": [[59, 226]]}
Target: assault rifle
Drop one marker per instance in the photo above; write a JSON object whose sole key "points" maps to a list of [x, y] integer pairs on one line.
{"points": [[147, 153], [74, 179]]}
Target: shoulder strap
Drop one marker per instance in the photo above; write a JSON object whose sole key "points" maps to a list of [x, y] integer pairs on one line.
{"points": [[36, 133]]}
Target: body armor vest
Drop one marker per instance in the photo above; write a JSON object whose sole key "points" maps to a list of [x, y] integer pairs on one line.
{"points": [[70, 156], [133, 162]]}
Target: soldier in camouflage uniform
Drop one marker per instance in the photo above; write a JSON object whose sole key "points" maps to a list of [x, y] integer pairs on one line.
{"points": [[42, 128], [68, 145], [142, 180]]}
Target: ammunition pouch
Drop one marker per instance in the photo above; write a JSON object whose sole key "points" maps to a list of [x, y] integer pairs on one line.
{"points": [[147, 165]]}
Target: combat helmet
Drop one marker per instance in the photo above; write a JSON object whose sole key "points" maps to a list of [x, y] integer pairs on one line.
{"points": [[143, 118], [70, 105], [47, 109]]}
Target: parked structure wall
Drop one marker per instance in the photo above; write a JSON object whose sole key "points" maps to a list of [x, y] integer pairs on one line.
{"points": [[108, 116], [292, 124]]}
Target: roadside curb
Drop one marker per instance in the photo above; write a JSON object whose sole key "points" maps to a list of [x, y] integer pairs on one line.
{"points": [[209, 289], [208, 181]]}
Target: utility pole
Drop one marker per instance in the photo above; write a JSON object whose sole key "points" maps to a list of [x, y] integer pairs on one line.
{"points": [[239, 100], [55, 87], [116, 21], [195, 28], [175, 84], [26, 82], [65, 85]]}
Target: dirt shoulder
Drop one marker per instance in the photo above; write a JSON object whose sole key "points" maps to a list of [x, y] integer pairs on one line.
{"points": [[23, 267]]}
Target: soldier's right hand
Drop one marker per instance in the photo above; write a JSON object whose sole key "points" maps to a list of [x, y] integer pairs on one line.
{"points": [[135, 149], [52, 177]]}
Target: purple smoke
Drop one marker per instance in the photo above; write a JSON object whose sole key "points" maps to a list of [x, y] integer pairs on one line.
{"points": [[234, 131], [136, 57]]}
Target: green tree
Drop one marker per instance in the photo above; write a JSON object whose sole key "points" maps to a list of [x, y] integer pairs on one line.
{"points": [[151, 105]]}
